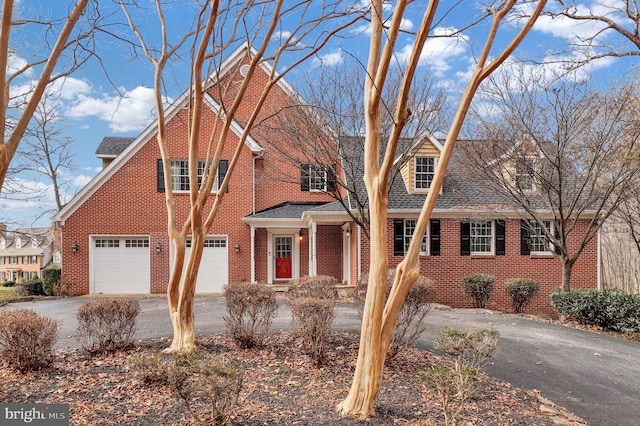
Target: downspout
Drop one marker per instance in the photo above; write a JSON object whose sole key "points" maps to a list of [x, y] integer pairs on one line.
{"points": [[253, 181], [599, 255]]}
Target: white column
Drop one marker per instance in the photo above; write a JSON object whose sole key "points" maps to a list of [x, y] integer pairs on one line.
{"points": [[253, 254]]}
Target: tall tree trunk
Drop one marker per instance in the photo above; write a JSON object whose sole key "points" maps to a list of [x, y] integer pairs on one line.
{"points": [[567, 266]]}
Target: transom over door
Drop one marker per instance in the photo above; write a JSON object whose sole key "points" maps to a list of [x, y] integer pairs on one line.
{"points": [[284, 270]]}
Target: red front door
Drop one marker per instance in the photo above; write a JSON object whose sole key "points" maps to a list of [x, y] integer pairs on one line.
{"points": [[283, 258]]}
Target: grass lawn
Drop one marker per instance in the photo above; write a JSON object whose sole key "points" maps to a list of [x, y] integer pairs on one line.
{"points": [[9, 294]]}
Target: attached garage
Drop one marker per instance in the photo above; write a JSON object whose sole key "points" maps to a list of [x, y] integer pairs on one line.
{"points": [[213, 274], [119, 264]]}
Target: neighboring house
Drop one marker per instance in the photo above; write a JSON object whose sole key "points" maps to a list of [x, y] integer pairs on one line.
{"points": [[24, 253], [272, 230]]}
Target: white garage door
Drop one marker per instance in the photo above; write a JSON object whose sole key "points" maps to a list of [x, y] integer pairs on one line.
{"points": [[120, 265], [213, 274]]}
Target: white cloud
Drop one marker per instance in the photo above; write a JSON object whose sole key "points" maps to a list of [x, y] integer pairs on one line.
{"points": [[15, 63], [70, 88], [81, 180], [406, 25], [329, 59], [439, 50], [131, 112]]}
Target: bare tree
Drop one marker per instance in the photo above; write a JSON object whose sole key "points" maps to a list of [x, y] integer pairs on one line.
{"points": [[218, 28], [333, 98], [380, 313], [62, 38], [610, 29], [561, 151], [46, 149]]}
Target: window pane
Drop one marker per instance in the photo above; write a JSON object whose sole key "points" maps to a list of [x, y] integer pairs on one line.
{"points": [[524, 173], [317, 177], [481, 237], [538, 242], [424, 172], [409, 227]]}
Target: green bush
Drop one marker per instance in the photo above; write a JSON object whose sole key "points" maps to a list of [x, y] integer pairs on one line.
{"points": [[479, 288], [522, 291], [9, 283], [251, 308], [50, 277], [107, 325], [27, 339], [609, 309], [33, 287]]}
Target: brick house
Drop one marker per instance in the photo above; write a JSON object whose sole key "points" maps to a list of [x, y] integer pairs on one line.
{"points": [[25, 252], [271, 229]]}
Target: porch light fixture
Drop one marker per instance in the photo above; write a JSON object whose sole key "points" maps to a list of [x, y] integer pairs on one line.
{"points": [[301, 234], [158, 247], [348, 231], [75, 247], [237, 247]]}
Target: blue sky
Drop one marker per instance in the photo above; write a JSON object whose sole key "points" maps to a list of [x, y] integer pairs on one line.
{"points": [[93, 106]]}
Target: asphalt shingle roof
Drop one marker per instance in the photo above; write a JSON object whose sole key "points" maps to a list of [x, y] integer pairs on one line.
{"points": [[288, 210], [112, 146]]}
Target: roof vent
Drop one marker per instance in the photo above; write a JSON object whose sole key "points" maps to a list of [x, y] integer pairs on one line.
{"points": [[244, 70]]}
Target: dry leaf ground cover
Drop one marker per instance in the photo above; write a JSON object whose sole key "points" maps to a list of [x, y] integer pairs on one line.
{"points": [[281, 386]]}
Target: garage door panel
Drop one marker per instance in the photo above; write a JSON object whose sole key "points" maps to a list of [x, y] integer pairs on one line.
{"points": [[214, 270], [121, 265]]}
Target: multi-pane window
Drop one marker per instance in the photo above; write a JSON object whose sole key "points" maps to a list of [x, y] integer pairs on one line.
{"points": [[142, 242], [25, 276], [34, 243], [2, 260], [13, 260], [18, 243], [180, 175], [3, 243], [409, 227], [3, 276], [317, 177], [481, 237], [102, 243], [209, 242], [425, 169], [57, 258], [25, 260], [34, 260], [524, 174], [538, 241]]}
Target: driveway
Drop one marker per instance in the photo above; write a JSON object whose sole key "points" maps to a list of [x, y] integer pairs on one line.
{"points": [[595, 376]]}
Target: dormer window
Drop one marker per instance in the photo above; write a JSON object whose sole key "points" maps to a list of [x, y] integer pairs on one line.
{"points": [[18, 243], [3, 243], [524, 174], [34, 243], [317, 178], [424, 171]]}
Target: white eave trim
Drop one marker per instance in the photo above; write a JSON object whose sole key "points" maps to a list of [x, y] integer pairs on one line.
{"points": [[235, 127], [275, 223]]}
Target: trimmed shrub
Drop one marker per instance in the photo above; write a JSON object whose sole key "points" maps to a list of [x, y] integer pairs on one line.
{"points": [[210, 389], [479, 288], [50, 277], [107, 325], [521, 291], [313, 317], [33, 287], [27, 339], [609, 309], [251, 309], [318, 287], [63, 287], [9, 283]]}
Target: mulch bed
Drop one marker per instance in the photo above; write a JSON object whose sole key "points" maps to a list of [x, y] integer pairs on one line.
{"points": [[281, 386]]}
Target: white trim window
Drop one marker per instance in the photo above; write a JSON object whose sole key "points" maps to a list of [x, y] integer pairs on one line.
{"points": [[317, 178], [538, 241], [180, 175], [57, 257], [424, 169], [18, 243], [524, 174], [481, 237], [3, 243], [409, 227], [34, 243]]}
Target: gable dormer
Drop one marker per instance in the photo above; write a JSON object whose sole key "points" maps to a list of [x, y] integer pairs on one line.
{"points": [[18, 243], [520, 165], [3, 243], [34, 242], [419, 165]]}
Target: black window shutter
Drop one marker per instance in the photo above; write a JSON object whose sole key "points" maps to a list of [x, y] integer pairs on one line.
{"points": [[160, 176], [557, 235], [304, 177], [331, 178], [223, 166], [434, 244], [398, 237], [465, 238], [501, 226], [525, 249]]}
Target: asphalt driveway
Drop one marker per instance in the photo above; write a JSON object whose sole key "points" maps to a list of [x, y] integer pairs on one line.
{"points": [[595, 376]]}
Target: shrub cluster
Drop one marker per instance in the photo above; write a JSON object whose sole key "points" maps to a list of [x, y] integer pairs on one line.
{"points": [[26, 339], [522, 291], [318, 287], [9, 283], [411, 320], [313, 318], [50, 278], [457, 381], [479, 288], [251, 309], [107, 325], [609, 309], [33, 287]]}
